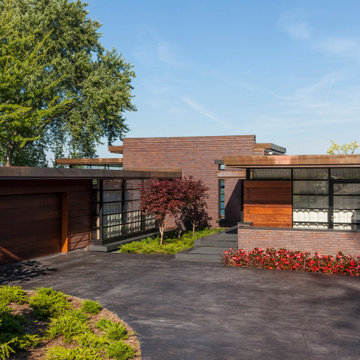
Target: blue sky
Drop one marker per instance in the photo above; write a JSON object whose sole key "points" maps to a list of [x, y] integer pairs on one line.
{"points": [[286, 71]]}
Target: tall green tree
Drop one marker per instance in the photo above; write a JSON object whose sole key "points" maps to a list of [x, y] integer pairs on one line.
{"points": [[94, 82], [23, 117], [349, 148]]}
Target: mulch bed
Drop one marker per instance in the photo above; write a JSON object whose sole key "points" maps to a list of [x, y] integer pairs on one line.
{"points": [[35, 326]]}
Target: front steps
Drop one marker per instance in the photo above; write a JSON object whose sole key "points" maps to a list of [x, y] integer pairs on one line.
{"points": [[210, 248]]}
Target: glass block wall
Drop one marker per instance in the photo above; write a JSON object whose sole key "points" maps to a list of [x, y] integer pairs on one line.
{"points": [[116, 210]]}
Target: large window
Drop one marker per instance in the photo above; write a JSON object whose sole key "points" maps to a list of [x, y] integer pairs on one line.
{"points": [[222, 199], [116, 210], [322, 198]]}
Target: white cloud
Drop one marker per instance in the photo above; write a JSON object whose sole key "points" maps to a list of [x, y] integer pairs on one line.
{"points": [[296, 29], [151, 53], [330, 100], [201, 110], [343, 47], [166, 53]]}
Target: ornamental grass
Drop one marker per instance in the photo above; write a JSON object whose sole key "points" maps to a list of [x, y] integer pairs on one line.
{"points": [[283, 259]]}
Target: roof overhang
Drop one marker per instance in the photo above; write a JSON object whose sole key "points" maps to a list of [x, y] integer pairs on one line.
{"points": [[116, 149], [22, 173], [101, 161], [292, 161]]}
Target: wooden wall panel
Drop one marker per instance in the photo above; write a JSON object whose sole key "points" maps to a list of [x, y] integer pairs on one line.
{"points": [[268, 203]]}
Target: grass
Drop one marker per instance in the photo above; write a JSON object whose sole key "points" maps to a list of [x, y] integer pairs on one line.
{"points": [[51, 325], [171, 245]]}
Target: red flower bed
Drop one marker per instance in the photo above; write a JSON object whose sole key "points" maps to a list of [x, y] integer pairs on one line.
{"points": [[293, 260]]}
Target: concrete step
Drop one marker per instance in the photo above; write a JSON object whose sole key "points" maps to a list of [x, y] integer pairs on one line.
{"points": [[215, 258], [223, 243], [208, 250], [207, 254]]}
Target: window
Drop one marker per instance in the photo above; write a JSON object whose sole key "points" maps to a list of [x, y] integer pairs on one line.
{"points": [[310, 174], [310, 199], [278, 174], [346, 174], [222, 199], [116, 210]]}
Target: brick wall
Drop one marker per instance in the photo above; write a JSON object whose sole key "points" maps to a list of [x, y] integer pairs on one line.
{"points": [[325, 242], [195, 156]]}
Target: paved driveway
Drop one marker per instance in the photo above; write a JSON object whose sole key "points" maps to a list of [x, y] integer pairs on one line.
{"points": [[185, 310]]}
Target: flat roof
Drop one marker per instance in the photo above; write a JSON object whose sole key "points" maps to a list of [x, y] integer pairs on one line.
{"points": [[98, 161], [285, 161], [20, 173]]}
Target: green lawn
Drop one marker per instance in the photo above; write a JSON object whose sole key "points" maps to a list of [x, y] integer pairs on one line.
{"points": [[171, 245]]}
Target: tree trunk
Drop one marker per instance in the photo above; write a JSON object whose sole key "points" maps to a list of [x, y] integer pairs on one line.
{"points": [[10, 149], [193, 227], [162, 230]]}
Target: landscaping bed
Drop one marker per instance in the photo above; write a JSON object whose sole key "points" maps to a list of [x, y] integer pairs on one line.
{"points": [[283, 259], [172, 244], [47, 324]]}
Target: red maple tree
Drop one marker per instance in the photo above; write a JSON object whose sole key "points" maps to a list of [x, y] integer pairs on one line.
{"points": [[183, 199], [193, 202], [159, 198]]}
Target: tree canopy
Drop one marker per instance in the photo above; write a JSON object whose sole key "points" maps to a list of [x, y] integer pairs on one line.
{"points": [[349, 148], [60, 89]]}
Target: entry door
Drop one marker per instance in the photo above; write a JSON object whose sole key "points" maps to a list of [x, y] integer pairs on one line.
{"points": [[268, 203]]}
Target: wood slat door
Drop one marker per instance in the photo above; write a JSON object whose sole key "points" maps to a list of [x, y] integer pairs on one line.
{"points": [[30, 226], [268, 203]]}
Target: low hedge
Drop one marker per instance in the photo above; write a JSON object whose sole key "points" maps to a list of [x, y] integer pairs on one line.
{"points": [[284, 259]]}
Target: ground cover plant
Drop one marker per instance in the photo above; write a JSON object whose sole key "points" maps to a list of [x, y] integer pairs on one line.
{"points": [[47, 324], [283, 259], [171, 244]]}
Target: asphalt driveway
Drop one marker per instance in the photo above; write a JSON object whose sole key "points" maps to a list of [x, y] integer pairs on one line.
{"points": [[185, 310]]}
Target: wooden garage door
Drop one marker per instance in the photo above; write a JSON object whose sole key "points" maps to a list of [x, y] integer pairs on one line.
{"points": [[268, 203], [30, 226]]}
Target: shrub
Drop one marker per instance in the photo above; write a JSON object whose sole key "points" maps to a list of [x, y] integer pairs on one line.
{"points": [[69, 325], [61, 353], [27, 341], [91, 307], [120, 351], [91, 340], [6, 349], [172, 245], [48, 303], [9, 294], [113, 330], [293, 260], [10, 323]]}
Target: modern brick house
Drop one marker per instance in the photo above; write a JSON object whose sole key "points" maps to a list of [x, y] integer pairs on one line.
{"points": [[303, 202]]}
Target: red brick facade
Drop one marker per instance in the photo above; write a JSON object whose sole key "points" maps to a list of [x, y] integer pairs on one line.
{"points": [[195, 156], [325, 242]]}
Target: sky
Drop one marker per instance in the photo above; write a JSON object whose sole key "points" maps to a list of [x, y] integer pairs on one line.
{"points": [[285, 71]]}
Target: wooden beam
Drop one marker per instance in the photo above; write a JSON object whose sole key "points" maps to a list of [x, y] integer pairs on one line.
{"points": [[254, 161], [116, 149], [101, 161]]}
